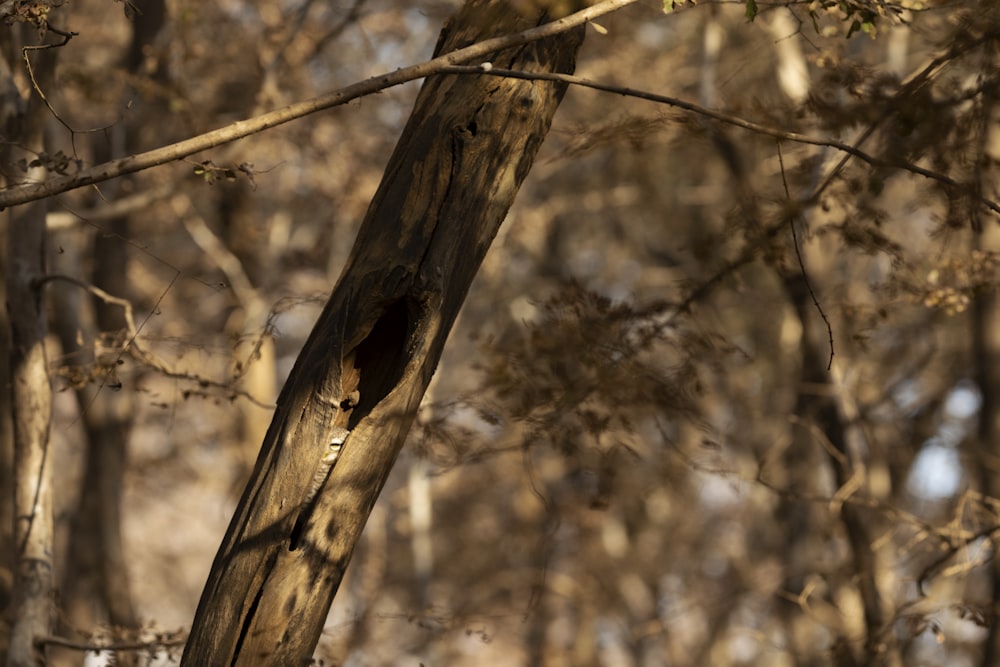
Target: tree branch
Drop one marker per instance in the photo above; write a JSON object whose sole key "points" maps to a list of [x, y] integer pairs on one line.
{"points": [[33, 191], [161, 643], [132, 346], [722, 117]]}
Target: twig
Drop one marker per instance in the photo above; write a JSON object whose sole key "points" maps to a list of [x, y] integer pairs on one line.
{"points": [[66, 35], [138, 352], [802, 263]]}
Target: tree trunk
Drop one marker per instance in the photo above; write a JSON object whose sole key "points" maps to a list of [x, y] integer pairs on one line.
{"points": [[94, 588], [986, 353], [31, 393], [467, 147], [9, 99], [32, 400], [986, 350]]}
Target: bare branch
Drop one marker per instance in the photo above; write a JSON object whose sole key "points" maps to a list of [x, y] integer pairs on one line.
{"points": [[722, 117], [109, 210], [110, 646], [802, 262], [33, 191], [133, 347]]}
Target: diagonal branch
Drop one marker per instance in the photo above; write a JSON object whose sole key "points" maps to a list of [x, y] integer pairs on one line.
{"points": [[102, 172]]}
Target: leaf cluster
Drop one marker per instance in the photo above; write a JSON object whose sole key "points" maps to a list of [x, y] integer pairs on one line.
{"points": [[586, 368], [213, 173], [32, 12], [954, 283], [859, 15], [57, 163]]}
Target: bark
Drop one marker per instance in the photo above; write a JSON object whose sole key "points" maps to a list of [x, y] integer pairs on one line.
{"points": [[6, 469], [467, 147]]}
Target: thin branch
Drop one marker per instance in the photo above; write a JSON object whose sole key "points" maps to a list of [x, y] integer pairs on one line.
{"points": [[353, 14], [936, 566], [217, 251], [142, 355], [32, 191], [255, 309], [722, 117], [110, 210], [108, 646], [802, 263], [66, 36]]}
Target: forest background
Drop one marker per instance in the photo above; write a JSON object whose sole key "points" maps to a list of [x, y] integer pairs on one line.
{"points": [[719, 395]]}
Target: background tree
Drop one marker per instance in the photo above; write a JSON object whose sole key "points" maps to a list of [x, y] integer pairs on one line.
{"points": [[621, 448], [30, 393]]}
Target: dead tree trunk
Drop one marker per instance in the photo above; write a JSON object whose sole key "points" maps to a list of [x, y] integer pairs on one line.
{"points": [[467, 147]]}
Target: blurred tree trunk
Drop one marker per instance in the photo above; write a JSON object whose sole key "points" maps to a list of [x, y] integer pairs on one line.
{"points": [[463, 154], [254, 359], [94, 587], [10, 100], [986, 349], [33, 594], [986, 361], [108, 421], [6, 466], [818, 406]]}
